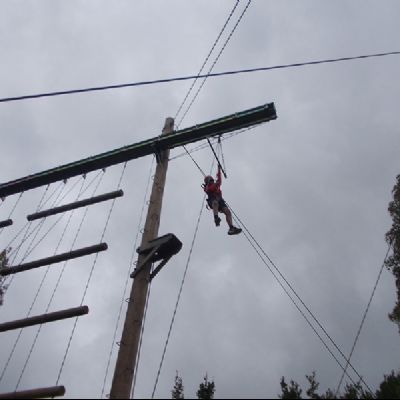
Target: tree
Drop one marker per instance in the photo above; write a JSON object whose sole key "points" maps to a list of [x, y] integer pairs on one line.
{"points": [[177, 391], [3, 264], [393, 238], [206, 389], [388, 389], [291, 391]]}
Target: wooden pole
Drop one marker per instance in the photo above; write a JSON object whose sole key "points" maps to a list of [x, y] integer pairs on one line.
{"points": [[127, 355]]}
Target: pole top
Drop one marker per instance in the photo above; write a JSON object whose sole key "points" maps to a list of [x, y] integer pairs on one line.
{"points": [[168, 126]]}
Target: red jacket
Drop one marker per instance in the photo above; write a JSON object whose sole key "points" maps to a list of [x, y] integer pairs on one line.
{"points": [[214, 189]]}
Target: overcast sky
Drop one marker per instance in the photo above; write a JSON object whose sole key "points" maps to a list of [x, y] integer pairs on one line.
{"points": [[312, 187]]}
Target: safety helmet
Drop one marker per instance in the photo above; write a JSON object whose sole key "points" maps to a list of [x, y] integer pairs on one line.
{"points": [[208, 179]]}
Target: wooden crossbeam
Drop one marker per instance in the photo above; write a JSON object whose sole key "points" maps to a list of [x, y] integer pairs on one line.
{"points": [[155, 145], [85, 251], [44, 318], [75, 205], [41, 393]]}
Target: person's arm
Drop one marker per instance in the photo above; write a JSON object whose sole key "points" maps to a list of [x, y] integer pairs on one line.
{"points": [[219, 177]]}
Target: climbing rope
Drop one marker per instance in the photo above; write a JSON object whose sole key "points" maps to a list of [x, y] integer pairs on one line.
{"points": [[136, 368], [89, 278], [60, 274], [12, 210], [216, 157]]}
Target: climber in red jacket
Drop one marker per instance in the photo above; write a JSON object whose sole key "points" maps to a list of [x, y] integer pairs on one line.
{"points": [[216, 202]]}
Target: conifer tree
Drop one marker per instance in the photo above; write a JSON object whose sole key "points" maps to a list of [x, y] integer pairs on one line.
{"points": [[3, 264], [177, 391], [393, 238], [206, 389]]}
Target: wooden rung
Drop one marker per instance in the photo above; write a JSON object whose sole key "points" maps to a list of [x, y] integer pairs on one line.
{"points": [[85, 251], [55, 391], [44, 318], [6, 223], [75, 205]]}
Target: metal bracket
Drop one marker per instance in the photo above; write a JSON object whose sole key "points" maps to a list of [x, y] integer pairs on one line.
{"points": [[159, 249]]}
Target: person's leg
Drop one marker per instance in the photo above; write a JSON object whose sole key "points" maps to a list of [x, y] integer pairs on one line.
{"points": [[228, 216], [215, 207], [232, 229]]}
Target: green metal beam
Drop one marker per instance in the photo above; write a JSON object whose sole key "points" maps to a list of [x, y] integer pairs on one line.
{"points": [[195, 133]]}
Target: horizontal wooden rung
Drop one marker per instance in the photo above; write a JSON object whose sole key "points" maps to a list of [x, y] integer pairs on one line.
{"points": [[44, 318], [54, 391], [85, 251], [75, 205], [6, 223]]}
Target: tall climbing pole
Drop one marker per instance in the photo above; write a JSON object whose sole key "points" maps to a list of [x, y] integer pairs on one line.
{"points": [[123, 374]]}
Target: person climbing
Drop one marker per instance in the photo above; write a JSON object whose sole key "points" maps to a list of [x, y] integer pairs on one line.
{"points": [[216, 202]]}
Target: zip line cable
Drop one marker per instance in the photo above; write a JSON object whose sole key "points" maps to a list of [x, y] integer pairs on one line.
{"points": [[199, 74], [295, 304], [215, 61], [127, 281], [363, 319], [208, 57], [191, 77], [299, 298], [304, 305], [197, 165]]}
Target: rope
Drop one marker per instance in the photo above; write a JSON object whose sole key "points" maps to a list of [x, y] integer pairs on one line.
{"points": [[301, 301], [127, 280], [222, 152], [197, 165], [216, 157], [207, 58], [12, 210], [363, 319], [56, 285], [27, 225], [89, 278], [81, 192], [136, 368]]}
